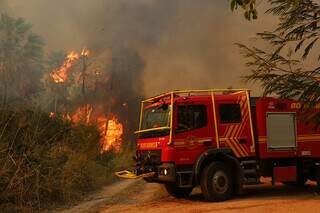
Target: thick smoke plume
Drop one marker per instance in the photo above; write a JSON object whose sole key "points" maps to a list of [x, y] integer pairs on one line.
{"points": [[182, 43]]}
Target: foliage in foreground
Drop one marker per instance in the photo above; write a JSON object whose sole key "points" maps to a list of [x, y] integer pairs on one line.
{"points": [[45, 161], [288, 67]]}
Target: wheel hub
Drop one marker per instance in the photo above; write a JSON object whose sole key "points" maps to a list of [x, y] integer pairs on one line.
{"points": [[220, 182]]}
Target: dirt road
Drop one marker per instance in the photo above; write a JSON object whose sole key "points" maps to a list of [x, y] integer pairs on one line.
{"points": [[138, 196]]}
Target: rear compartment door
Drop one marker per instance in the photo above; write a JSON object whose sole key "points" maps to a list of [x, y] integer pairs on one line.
{"points": [[281, 131]]}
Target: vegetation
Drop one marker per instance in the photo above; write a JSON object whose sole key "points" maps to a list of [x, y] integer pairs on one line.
{"points": [[249, 7], [290, 69], [20, 60], [47, 161]]}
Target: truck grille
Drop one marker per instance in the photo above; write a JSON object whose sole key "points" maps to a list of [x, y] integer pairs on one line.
{"points": [[149, 157]]}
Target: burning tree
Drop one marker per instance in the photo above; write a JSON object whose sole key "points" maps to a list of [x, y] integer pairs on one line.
{"points": [[77, 79], [61, 75]]}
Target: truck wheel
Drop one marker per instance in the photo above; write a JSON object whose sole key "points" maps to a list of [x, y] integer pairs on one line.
{"points": [[216, 182], [176, 191]]}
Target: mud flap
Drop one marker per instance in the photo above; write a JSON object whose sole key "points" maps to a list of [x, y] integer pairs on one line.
{"points": [[130, 175]]}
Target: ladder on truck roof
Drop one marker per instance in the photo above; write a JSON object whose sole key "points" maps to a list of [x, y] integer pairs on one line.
{"points": [[189, 92]]}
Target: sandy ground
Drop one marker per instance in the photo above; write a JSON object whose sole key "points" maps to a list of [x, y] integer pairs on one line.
{"points": [[139, 196]]}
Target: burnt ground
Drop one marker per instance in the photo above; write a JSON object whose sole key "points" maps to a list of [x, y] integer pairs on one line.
{"points": [[139, 196]]}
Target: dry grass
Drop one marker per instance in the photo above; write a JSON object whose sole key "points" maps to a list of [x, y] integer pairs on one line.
{"points": [[47, 161]]}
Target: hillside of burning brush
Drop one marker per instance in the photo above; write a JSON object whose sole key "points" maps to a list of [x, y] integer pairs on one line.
{"points": [[48, 160], [57, 154], [66, 118], [96, 90]]}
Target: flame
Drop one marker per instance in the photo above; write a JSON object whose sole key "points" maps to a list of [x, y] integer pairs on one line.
{"points": [[61, 75], [110, 128], [85, 52], [111, 132], [82, 114], [52, 114]]}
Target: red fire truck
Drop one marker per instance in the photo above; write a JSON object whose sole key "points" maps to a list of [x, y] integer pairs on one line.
{"points": [[222, 140]]}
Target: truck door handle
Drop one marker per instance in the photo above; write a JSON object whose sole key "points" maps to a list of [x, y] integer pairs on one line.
{"points": [[243, 141], [207, 143]]}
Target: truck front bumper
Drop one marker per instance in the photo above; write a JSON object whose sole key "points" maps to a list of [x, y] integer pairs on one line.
{"points": [[164, 172]]}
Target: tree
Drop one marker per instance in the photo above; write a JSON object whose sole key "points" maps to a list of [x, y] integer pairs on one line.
{"points": [[20, 59], [282, 70], [249, 7]]}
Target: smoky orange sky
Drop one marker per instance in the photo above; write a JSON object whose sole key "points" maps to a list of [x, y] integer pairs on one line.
{"points": [[185, 44]]}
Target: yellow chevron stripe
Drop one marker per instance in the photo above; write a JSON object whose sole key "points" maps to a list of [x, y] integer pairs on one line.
{"points": [[228, 131], [237, 136], [232, 136], [242, 125], [229, 142], [232, 133], [236, 140], [229, 139], [233, 148], [245, 118], [236, 145], [245, 149], [242, 129]]}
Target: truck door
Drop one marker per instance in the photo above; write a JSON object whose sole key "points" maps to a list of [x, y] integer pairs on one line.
{"points": [[191, 130], [235, 125]]}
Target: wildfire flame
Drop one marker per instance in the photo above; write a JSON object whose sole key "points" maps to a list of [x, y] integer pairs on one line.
{"points": [[52, 114], [61, 75], [111, 132], [85, 52], [110, 128], [82, 114]]}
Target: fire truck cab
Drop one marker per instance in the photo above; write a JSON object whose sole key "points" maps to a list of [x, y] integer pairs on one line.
{"points": [[224, 139]]}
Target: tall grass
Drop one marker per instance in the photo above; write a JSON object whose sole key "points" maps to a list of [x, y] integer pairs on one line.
{"points": [[47, 161]]}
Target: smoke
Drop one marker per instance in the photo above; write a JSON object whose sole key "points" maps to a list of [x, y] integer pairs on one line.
{"points": [[3, 6], [181, 43]]}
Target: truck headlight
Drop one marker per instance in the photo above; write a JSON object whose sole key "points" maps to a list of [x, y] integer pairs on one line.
{"points": [[165, 172]]}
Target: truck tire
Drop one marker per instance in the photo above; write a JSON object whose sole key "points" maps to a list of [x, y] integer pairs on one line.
{"points": [[176, 191], [216, 182]]}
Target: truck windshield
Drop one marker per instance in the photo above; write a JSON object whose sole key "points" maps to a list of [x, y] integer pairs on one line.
{"points": [[156, 117]]}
